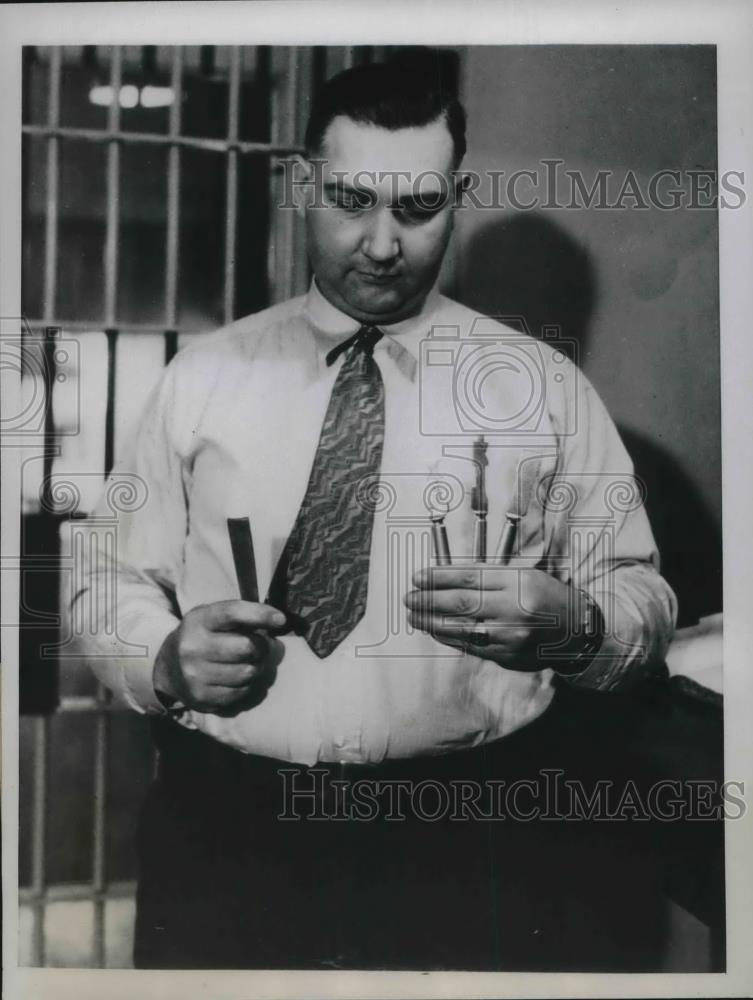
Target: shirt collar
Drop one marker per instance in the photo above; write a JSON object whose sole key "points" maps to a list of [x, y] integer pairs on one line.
{"points": [[402, 341]]}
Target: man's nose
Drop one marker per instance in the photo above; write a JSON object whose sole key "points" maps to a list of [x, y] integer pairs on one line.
{"points": [[381, 241]]}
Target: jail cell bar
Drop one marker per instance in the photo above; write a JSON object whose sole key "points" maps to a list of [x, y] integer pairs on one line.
{"points": [[288, 276]]}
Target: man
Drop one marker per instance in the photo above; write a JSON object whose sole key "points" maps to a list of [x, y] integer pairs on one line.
{"points": [[338, 423]]}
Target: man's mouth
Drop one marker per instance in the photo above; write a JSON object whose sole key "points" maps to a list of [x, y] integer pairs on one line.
{"points": [[378, 277]]}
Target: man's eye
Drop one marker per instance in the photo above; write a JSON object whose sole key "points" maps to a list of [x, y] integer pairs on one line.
{"points": [[419, 211], [354, 202]]}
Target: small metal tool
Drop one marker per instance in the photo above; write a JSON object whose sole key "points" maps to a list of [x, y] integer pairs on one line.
{"points": [[439, 539], [507, 541], [525, 483], [479, 499]]}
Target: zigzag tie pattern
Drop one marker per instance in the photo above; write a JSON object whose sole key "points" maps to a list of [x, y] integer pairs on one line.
{"points": [[321, 580]]}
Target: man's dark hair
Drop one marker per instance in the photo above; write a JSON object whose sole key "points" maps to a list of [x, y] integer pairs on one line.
{"points": [[413, 87]]}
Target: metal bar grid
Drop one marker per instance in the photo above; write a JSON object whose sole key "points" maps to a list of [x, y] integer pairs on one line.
{"points": [[102, 729], [39, 893], [98, 889], [113, 194], [53, 167], [74, 892], [273, 251], [86, 326], [285, 247], [173, 195], [42, 724], [284, 242], [286, 220], [112, 355], [231, 192], [39, 836], [297, 272], [155, 139], [48, 455]]}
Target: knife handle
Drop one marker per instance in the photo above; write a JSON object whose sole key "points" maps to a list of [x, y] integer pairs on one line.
{"points": [[507, 540], [239, 530], [479, 539], [441, 543]]}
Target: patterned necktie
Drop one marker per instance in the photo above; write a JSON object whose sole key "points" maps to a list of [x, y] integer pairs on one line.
{"points": [[321, 580]]}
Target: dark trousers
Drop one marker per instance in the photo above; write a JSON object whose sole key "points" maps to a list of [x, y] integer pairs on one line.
{"points": [[226, 883]]}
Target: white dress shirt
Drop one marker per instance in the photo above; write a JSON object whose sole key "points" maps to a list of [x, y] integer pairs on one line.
{"points": [[231, 431]]}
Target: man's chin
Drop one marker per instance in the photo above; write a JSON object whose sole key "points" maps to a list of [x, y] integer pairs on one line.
{"points": [[374, 304], [383, 305]]}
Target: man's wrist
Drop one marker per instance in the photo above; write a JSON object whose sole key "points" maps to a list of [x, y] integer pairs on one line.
{"points": [[161, 677], [587, 632], [167, 701]]}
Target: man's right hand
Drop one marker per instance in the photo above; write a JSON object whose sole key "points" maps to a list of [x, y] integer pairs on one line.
{"points": [[217, 658]]}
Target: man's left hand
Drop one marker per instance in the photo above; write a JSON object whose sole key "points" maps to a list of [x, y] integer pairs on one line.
{"points": [[502, 613]]}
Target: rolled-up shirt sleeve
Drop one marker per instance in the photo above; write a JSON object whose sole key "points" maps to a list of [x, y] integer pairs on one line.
{"points": [[601, 540], [124, 606]]}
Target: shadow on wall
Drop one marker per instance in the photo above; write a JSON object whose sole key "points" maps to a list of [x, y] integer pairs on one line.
{"points": [[687, 533], [549, 277]]}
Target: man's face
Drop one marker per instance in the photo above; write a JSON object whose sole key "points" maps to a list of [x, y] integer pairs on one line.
{"points": [[382, 218]]}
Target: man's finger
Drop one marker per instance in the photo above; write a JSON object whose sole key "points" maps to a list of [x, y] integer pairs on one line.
{"points": [[475, 577], [464, 629], [472, 603], [227, 616], [230, 675], [230, 647], [221, 700], [251, 648]]}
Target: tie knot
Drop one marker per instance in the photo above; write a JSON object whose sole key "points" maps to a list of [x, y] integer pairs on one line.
{"points": [[366, 338], [363, 340]]}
